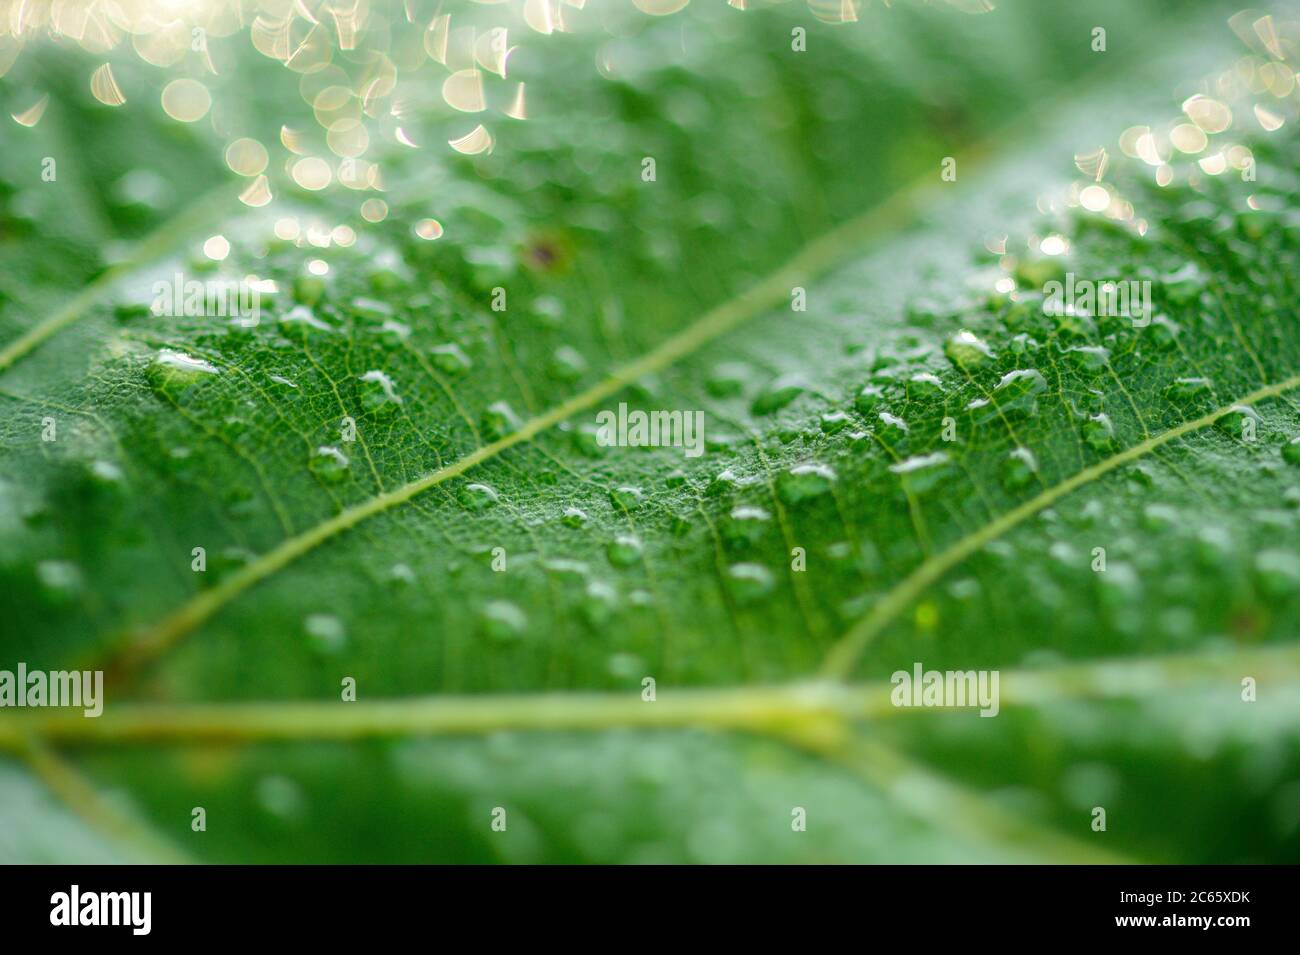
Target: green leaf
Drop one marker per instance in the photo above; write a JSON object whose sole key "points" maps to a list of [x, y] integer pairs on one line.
{"points": [[917, 468]]}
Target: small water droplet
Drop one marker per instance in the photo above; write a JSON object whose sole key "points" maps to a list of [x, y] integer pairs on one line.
{"points": [[378, 393], [624, 551], [777, 394], [923, 471], [1233, 422], [567, 364], [967, 350], [450, 359], [1099, 431], [574, 517], [727, 379], [893, 429], [804, 482], [724, 483], [499, 420], [1017, 392], [1278, 573], [1188, 389], [924, 385], [868, 398], [749, 582], [60, 580], [172, 371], [325, 632], [746, 524], [626, 497], [477, 497], [1291, 451], [371, 309], [834, 421], [1090, 360], [502, 620], [1019, 468], [329, 464]]}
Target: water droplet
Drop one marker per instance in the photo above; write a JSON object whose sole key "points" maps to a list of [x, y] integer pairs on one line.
{"points": [[599, 603], [868, 398], [1018, 391], [724, 483], [106, 474], [1019, 468], [626, 497], [574, 517], [805, 481], [924, 385], [567, 364], [371, 310], [393, 334], [727, 380], [746, 524], [1278, 572], [1089, 359], [281, 797], [325, 632], [777, 394], [59, 580], [1234, 421], [172, 371], [1188, 389], [1183, 285], [450, 359], [1291, 451], [749, 582], [502, 620], [329, 464], [477, 497], [893, 429], [834, 421], [1158, 517], [1099, 431], [624, 551], [499, 420], [967, 350], [378, 393], [923, 471], [301, 318]]}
